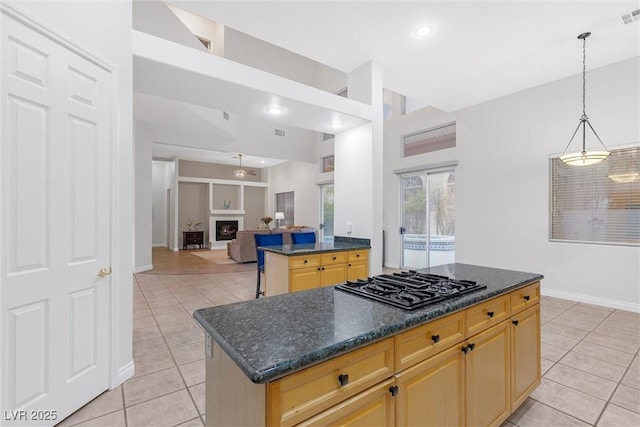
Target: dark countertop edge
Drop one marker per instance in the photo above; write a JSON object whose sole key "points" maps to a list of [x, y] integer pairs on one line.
{"points": [[280, 251], [301, 362]]}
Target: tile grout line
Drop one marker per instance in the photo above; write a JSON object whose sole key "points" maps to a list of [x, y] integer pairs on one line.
{"points": [[567, 352], [617, 387], [176, 366]]}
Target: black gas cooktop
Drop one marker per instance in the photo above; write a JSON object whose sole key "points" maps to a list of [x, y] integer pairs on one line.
{"points": [[410, 290]]}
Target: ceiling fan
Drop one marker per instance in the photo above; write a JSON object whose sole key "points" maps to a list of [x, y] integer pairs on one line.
{"points": [[241, 172]]}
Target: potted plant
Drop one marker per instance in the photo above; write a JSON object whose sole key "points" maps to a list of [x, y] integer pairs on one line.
{"points": [[266, 220], [193, 226]]}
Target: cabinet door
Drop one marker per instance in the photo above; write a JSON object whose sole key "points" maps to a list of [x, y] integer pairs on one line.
{"points": [[373, 407], [357, 270], [525, 354], [487, 373], [431, 392], [333, 274], [304, 278]]}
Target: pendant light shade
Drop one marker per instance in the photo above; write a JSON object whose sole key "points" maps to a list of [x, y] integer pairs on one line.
{"points": [[584, 157], [240, 173]]}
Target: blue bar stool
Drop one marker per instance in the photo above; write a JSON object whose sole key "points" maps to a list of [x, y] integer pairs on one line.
{"points": [[307, 237], [264, 240]]}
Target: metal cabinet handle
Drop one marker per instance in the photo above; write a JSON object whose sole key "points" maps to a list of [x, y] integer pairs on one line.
{"points": [[343, 379], [465, 349], [393, 390], [515, 322], [472, 346], [435, 338], [490, 313], [526, 297]]}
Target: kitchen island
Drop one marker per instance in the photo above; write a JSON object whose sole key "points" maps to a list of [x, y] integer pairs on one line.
{"points": [[325, 356], [291, 268]]}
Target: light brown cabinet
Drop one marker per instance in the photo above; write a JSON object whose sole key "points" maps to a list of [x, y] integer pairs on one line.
{"points": [[372, 407], [300, 272], [525, 351], [487, 393], [431, 392], [436, 374], [357, 264]]}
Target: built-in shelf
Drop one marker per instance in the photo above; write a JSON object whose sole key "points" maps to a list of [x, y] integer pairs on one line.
{"points": [[226, 211]]}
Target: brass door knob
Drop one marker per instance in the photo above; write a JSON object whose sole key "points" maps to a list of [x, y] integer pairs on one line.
{"points": [[103, 272]]}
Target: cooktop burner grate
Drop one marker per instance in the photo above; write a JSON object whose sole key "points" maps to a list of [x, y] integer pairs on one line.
{"points": [[410, 290]]}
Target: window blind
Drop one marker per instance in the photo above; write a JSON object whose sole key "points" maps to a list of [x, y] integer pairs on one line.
{"points": [[588, 206]]}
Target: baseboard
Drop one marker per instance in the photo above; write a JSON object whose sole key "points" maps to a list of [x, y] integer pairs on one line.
{"points": [[605, 302], [124, 373], [143, 268], [159, 245]]}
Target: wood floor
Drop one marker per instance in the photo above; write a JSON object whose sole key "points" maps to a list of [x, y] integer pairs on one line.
{"points": [[166, 261]]}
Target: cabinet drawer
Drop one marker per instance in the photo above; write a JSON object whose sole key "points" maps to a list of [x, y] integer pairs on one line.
{"points": [[301, 395], [304, 261], [486, 314], [373, 407], [420, 343], [333, 258], [359, 255], [525, 297]]}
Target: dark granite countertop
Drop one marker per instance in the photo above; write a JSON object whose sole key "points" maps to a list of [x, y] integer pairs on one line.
{"points": [[314, 248], [271, 337]]}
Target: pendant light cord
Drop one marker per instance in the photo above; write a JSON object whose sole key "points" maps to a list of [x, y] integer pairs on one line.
{"points": [[584, 77]]}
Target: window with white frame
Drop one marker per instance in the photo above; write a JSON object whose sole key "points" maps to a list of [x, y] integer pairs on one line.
{"points": [[426, 141], [599, 203], [284, 203]]}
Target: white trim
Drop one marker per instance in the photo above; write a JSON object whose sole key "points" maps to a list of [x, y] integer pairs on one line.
{"points": [[604, 302], [10, 9], [124, 373], [222, 181], [159, 245], [433, 167], [143, 268]]}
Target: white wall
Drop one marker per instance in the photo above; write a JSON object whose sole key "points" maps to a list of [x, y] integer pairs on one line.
{"points": [[143, 199], [155, 17], [358, 181], [300, 178], [161, 177], [243, 48], [502, 183], [104, 28]]}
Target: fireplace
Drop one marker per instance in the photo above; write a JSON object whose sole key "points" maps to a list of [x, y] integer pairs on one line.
{"points": [[226, 230]]}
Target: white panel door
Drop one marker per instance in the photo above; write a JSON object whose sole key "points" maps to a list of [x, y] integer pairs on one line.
{"points": [[55, 225]]}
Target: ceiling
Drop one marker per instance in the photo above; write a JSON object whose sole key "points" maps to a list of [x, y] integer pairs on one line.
{"points": [[478, 50]]}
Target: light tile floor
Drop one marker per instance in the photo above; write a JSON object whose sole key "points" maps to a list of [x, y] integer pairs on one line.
{"points": [[591, 372]]}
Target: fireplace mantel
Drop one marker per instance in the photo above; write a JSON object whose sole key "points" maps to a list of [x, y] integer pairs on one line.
{"points": [[226, 212]]}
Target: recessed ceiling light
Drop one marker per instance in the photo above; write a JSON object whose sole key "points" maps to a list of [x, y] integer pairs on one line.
{"points": [[262, 161], [336, 125], [423, 31], [275, 110]]}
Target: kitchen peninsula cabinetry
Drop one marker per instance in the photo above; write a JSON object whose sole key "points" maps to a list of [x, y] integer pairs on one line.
{"points": [[288, 271], [357, 265]]}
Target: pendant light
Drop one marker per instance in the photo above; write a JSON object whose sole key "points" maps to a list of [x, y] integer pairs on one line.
{"points": [[584, 158], [240, 173]]}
